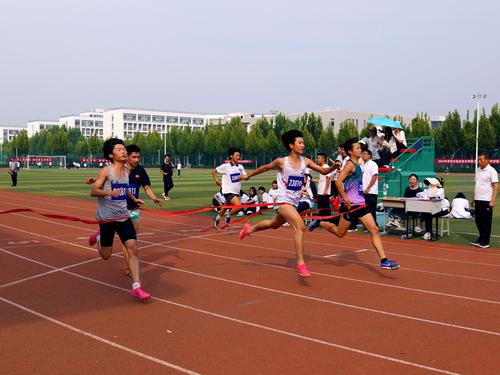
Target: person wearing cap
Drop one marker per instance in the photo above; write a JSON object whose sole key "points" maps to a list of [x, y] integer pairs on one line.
{"points": [[435, 191], [485, 195]]}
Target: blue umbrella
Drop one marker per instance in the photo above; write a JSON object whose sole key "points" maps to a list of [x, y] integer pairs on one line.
{"points": [[382, 121]]}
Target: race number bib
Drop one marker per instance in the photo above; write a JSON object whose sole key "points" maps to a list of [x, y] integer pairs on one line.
{"points": [[295, 183], [235, 177], [123, 191], [134, 189]]}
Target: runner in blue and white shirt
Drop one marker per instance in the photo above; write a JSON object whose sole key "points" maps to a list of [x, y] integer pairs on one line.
{"points": [[231, 183], [290, 178]]}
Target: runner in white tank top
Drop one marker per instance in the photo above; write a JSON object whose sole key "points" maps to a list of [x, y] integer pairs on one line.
{"points": [[291, 171], [290, 182]]}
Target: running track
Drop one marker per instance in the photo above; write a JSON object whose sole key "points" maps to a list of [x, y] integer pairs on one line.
{"points": [[222, 306]]}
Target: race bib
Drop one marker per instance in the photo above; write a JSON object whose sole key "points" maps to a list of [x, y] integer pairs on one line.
{"points": [[134, 189], [360, 189], [295, 183], [123, 191], [235, 177]]}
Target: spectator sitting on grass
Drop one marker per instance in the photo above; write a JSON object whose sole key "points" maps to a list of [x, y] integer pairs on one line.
{"points": [[460, 207]]}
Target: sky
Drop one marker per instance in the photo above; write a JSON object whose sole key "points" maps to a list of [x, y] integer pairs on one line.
{"points": [[60, 57]]}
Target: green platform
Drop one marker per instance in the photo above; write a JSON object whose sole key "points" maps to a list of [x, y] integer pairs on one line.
{"points": [[418, 159]]}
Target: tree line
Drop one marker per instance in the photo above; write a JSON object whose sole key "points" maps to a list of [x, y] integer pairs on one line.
{"points": [[208, 146]]}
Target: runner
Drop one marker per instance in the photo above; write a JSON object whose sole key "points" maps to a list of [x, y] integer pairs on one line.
{"points": [[111, 190], [290, 179], [231, 184], [137, 177], [350, 186]]}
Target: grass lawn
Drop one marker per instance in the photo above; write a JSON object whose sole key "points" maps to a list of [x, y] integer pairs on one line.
{"points": [[195, 189]]}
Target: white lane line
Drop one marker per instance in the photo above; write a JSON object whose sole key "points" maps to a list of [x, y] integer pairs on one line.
{"points": [[99, 338], [339, 254], [285, 268], [224, 317], [54, 269]]}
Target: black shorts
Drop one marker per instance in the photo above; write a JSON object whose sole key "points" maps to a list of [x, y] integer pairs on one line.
{"points": [[230, 196], [354, 215], [125, 230]]}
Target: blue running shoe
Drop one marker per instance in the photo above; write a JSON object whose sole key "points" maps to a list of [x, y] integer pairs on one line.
{"points": [[314, 225], [389, 265]]}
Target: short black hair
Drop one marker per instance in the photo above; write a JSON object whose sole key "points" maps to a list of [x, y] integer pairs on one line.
{"points": [[460, 195], [349, 143], [109, 145], [261, 188], [288, 138], [368, 152], [232, 150], [413, 175], [274, 182], [164, 156], [486, 156], [321, 154], [133, 148]]}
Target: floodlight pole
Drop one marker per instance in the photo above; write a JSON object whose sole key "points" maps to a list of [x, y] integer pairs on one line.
{"points": [[478, 97]]}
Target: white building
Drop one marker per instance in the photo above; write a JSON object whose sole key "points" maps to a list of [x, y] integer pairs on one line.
{"points": [[436, 121], [35, 126], [7, 133], [125, 122], [90, 123]]}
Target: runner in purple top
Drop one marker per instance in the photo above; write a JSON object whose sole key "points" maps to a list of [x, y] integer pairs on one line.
{"points": [[350, 187]]}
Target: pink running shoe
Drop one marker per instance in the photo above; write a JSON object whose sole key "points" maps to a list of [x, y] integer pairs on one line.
{"points": [[139, 293], [302, 270], [93, 238], [244, 231]]}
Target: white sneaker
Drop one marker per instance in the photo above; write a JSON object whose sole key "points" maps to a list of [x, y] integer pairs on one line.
{"points": [[427, 236], [418, 229], [241, 213], [396, 224]]}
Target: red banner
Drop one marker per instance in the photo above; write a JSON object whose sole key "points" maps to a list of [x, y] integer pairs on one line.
{"points": [[32, 159], [463, 161], [93, 160]]}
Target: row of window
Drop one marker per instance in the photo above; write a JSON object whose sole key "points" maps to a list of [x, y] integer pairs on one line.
{"points": [[85, 123], [158, 118]]}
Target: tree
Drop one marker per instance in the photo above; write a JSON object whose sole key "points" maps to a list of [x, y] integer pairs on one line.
{"points": [[255, 143], [21, 143], [495, 122], [365, 132], [94, 144], [327, 142], [420, 126], [234, 133], [487, 136], [273, 145], [197, 140], [450, 138], [347, 131]]}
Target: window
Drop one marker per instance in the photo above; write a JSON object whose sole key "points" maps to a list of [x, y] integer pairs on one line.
{"points": [[98, 124], [332, 122], [158, 118], [143, 117], [173, 119], [185, 120], [197, 121], [129, 117]]}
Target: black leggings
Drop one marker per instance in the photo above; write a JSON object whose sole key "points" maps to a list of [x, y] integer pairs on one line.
{"points": [[168, 184], [428, 219]]}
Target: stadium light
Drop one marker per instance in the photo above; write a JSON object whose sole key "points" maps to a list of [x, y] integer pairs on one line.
{"points": [[478, 97]]}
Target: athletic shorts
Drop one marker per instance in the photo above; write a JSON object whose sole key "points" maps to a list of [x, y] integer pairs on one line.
{"points": [[229, 196], [125, 230], [354, 215], [135, 215]]}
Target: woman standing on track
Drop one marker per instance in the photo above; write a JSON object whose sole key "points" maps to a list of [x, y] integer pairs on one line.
{"points": [[350, 187], [291, 172], [167, 171]]}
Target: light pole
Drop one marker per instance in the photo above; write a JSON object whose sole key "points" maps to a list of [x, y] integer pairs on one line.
{"points": [[165, 142], [477, 97]]}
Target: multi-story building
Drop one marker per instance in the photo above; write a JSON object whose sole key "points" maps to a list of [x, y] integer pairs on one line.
{"points": [[7, 133], [125, 122], [89, 123], [35, 126], [437, 121]]}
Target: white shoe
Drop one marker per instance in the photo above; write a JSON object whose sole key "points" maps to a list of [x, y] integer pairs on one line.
{"points": [[427, 236], [418, 229], [396, 224], [241, 213]]}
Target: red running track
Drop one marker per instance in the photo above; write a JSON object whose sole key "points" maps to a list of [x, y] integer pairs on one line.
{"points": [[224, 306]]}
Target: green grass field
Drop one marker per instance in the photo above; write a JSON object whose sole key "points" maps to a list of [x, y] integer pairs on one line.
{"points": [[195, 189]]}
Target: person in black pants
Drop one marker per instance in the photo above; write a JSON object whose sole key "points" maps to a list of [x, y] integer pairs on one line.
{"points": [[167, 171], [485, 195], [370, 182], [13, 168], [324, 187]]}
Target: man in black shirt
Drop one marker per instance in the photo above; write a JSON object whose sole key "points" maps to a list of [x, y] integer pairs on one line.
{"points": [[167, 171]]}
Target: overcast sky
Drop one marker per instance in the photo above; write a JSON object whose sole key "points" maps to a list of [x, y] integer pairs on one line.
{"points": [[399, 57]]}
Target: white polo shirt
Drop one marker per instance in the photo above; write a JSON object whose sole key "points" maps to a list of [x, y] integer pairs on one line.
{"points": [[322, 182], [231, 183], [370, 168], [483, 191]]}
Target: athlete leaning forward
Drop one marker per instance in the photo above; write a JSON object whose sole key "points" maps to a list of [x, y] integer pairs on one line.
{"points": [[111, 190], [290, 178], [350, 186]]}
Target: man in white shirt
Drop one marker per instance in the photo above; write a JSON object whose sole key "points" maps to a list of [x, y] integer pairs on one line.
{"points": [[231, 184], [485, 195], [13, 168], [373, 143], [324, 186], [370, 182]]}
